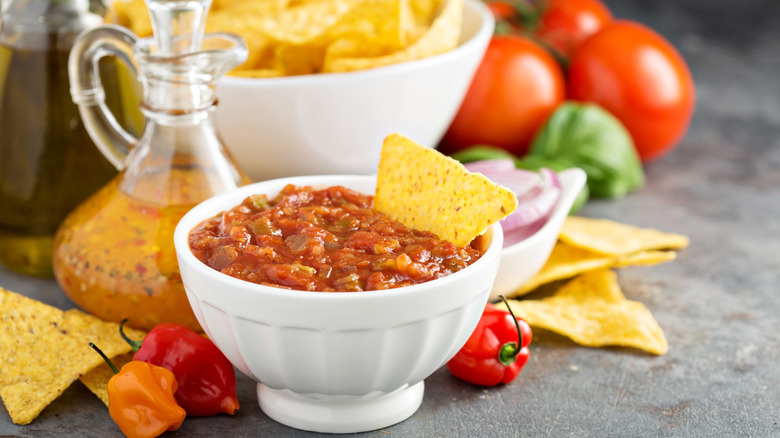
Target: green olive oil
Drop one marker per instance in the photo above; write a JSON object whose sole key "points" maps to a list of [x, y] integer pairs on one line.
{"points": [[48, 163]]}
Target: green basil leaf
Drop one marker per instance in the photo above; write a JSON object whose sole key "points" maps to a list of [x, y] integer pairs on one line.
{"points": [[586, 136], [481, 152]]}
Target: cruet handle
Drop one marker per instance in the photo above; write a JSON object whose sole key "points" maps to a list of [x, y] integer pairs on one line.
{"points": [[87, 90]]}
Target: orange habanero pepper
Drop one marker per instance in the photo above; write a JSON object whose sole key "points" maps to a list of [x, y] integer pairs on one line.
{"points": [[141, 401]]}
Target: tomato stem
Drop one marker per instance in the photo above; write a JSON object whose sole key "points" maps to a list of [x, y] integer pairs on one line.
{"points": [[529, 14]]}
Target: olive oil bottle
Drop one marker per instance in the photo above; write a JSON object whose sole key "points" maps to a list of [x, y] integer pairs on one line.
{"points": [[48, 163]]}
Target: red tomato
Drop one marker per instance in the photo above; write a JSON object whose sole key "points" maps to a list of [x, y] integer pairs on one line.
{"points": [[639, 77], [565, 24], [514, 90], [502, 10]]}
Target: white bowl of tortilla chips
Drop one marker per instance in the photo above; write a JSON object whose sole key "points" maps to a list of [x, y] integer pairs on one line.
{"points": [[334, 122], [325, 81]]}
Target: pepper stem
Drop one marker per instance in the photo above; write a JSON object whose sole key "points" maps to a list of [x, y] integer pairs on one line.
{"points": [[509, 351], [133, 343], [105, 358]]}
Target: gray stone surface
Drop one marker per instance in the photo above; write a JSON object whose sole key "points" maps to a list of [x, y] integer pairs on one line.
{"points": [[718, 302]]}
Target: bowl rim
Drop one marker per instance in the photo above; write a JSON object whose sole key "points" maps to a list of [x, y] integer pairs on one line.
{"points": [[483, 34], [210, 207]]}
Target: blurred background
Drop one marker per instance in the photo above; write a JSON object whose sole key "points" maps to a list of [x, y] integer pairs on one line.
{"points": [[733, 50]]}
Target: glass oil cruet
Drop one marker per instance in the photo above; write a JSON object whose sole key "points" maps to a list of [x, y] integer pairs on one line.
{"points": [[48, 163], [114, 254]]}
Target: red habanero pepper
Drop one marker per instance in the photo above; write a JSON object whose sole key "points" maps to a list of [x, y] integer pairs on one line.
{"points": [[491, 355], [140, 399], [207, 381]]}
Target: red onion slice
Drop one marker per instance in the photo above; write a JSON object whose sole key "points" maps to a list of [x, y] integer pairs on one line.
{"points": [[537, 194], [535, 203], [518, 181], [490, 166]]}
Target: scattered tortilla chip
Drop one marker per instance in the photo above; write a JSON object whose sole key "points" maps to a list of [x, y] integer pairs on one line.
{"points": [[567, 261], [592, 311], [43, 350], [644, 258], [427, 190], [97, 379], [604, 236]]}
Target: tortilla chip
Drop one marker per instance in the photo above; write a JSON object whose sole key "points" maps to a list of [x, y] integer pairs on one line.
{"points": [[304, 22], [380, 24], [298, 59], [264, 73], [441, 37], [644, 258], [327, 35], [425, 11], [427, 190], [604, 236], [131, 14], [97, 379], [567, 261], [43, 350], [373, 28], [592, 311]]}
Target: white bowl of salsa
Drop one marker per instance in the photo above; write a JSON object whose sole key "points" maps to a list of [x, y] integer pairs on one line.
{"points": [[337, 362]]}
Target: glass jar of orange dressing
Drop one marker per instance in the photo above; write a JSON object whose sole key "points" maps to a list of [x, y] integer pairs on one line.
{"points": [[114, 254]]}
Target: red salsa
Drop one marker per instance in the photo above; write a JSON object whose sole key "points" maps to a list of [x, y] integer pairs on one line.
{"points": [[322, 240]]}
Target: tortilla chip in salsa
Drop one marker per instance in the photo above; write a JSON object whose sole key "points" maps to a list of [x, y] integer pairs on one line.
{"points": [[427, 190]]}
